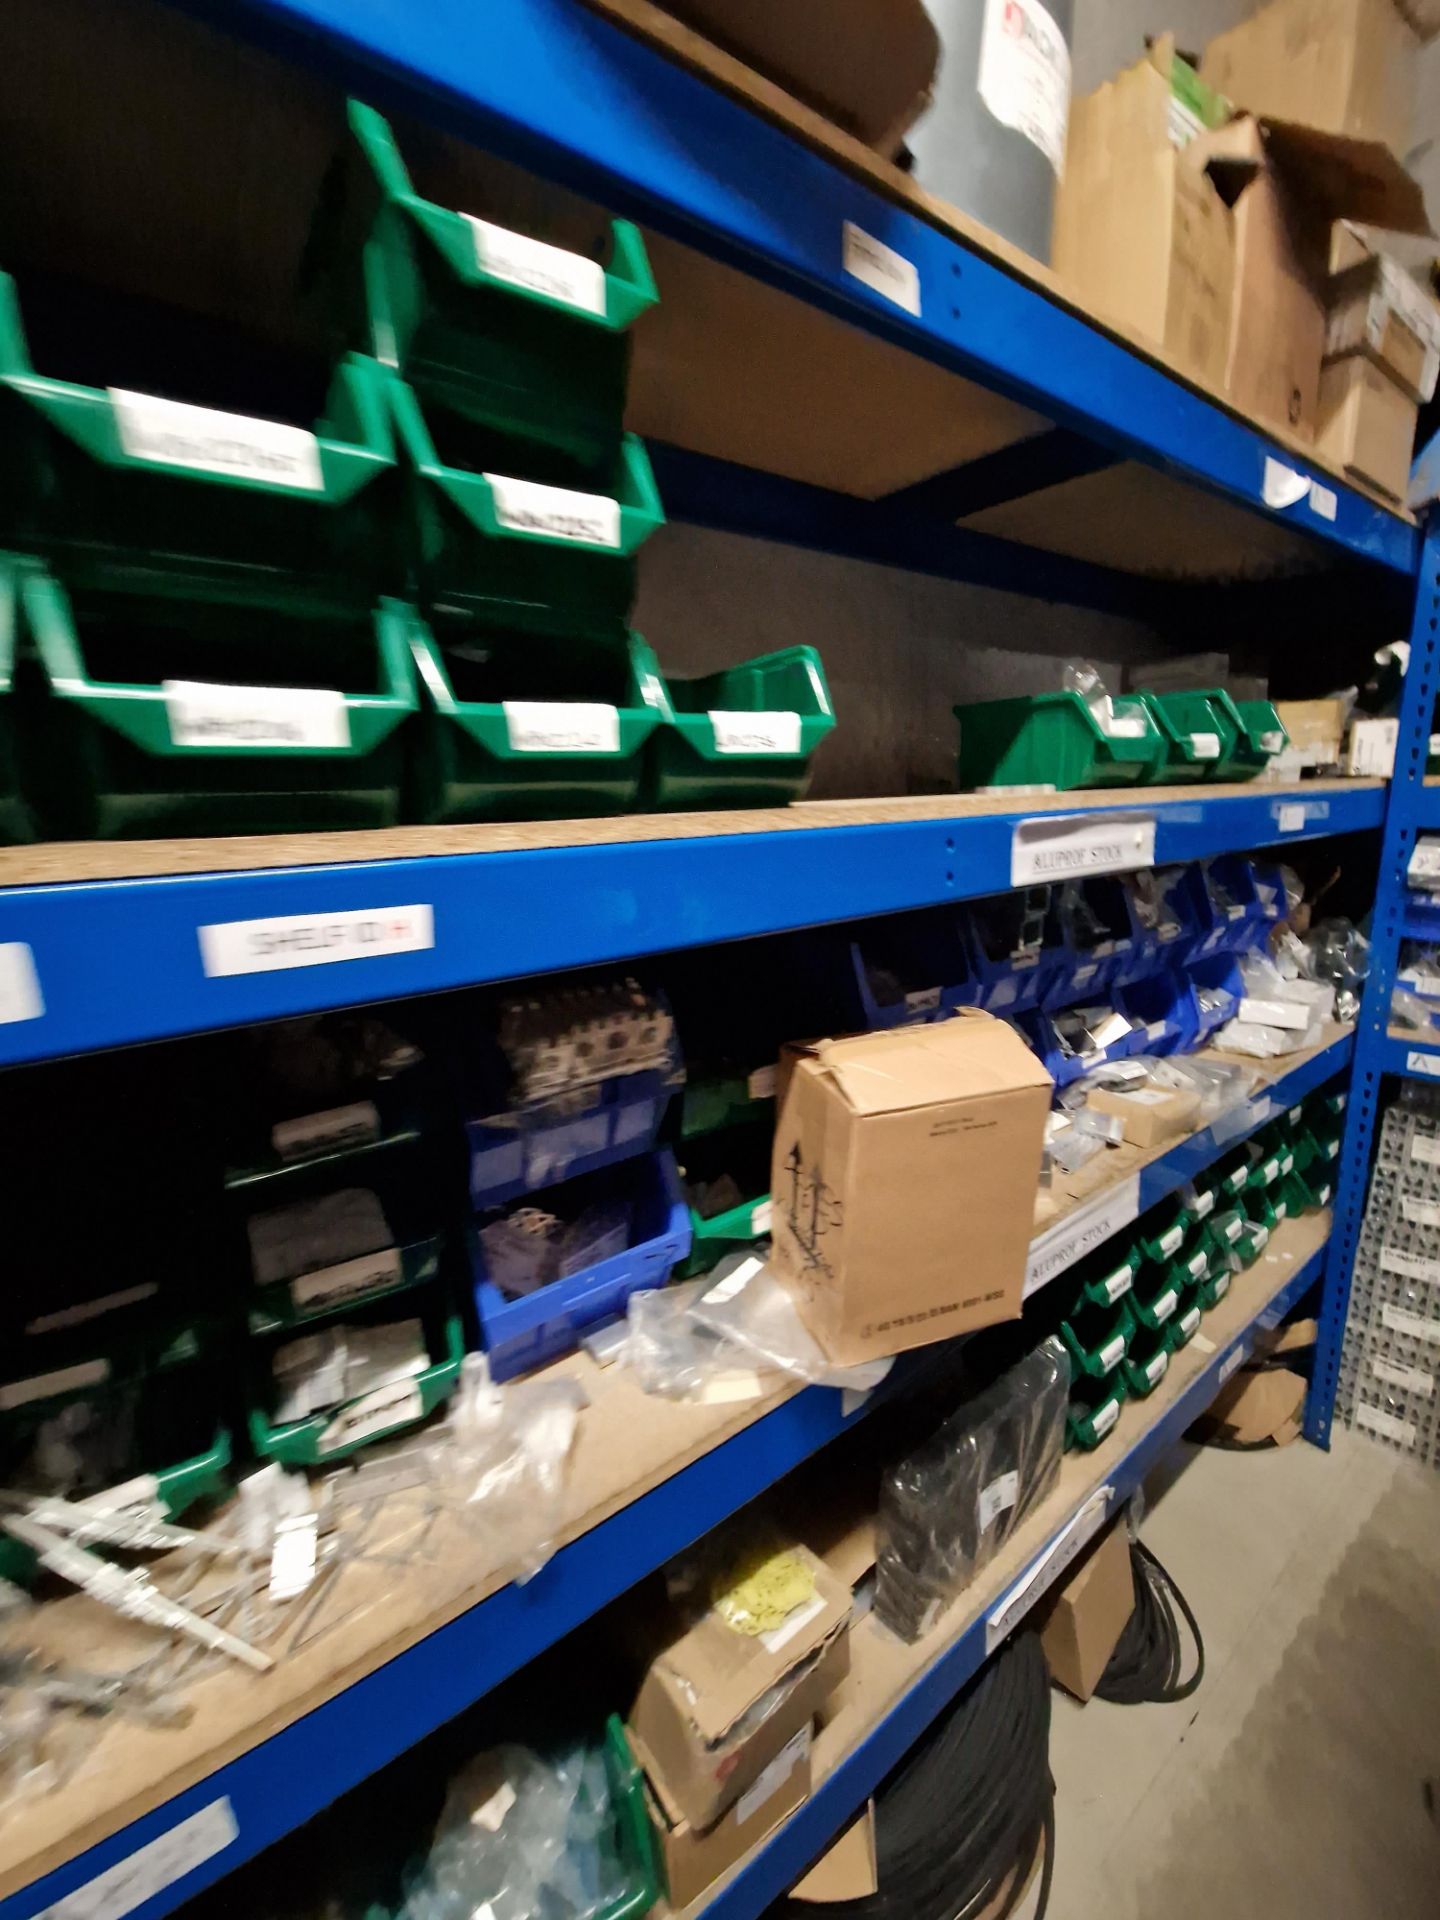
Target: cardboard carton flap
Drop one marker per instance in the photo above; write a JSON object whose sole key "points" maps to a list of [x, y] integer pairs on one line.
{"points": [[907, 1067], [1347, 179]]}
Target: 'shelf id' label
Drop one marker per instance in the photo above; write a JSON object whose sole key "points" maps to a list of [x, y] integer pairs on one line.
{"points": [[313, 940], [1057, 846]]}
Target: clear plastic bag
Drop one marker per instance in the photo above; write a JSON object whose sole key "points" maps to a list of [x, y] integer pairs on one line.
{"points": [[948, 1507], [1122, 719], [746, 1305]]}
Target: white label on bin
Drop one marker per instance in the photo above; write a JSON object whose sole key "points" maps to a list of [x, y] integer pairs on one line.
{"points": [[1413, 1325], [355, 1125], [207, 714], [168, 433], [372, 1414], [1202, 1204], [999, 1497], [1205, 746], [1117, 1283], [755, 732], [923, 1000], [346, 1280], [561, 726], [760, 1217], [120, 1889], [761, 1083], [1155, 1367], [769, 1783], [1409, 1379], [44, 1386], [538, 267], [1054, 846], [313, 940], [1189, 1321], [1375, 1420], [1024, 75], [1233, 1230], [1161, 1309], [1170, 1240], [1425, 1149], [1088, 1227], [1409, 1266], [525, 506], [1196, 1265], [881, 269], [1111, 1353], [1222, 1285], [1105, 1418], [20, 995], [1426, 1063]]}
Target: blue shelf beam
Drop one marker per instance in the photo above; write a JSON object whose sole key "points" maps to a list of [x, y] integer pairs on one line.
{"points": [[1009, 473], [119, 962], [552, 86], [779, 1863]]}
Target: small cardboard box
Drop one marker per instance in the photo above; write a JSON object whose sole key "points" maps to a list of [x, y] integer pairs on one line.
{"points": [[1316, 729], [1087, 1616], [903, 1182], [1370, 748], [694, 1858], [1340, 66], [1286, 186], [1378, 309], [702, 1679], [1149, 1114], [849, 1870], [1267, 1403], [1141, 235], [1367, 424]]}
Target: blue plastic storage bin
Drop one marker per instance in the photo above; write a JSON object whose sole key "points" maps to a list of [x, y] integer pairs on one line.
{"points": [[522, 1150], [1239, 921], [910, 968], [1167, 1005], [1009, 960], [523, 1333], [1221, 971], [1089, 940], [1037, 1030], [1162, 922]]}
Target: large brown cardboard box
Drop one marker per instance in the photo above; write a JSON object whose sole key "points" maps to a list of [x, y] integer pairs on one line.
{"points": [[865, 64], [1342, 66], [1141, 235], [1375, 307], [695, 1857], [903, 1182], [1286, 186], [1367, 424], [703, 1678], [1086, 1618]]}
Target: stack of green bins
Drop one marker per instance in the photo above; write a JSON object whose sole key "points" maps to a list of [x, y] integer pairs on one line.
{"points": [[196, 596], [1096, 1335], [508, 363]]}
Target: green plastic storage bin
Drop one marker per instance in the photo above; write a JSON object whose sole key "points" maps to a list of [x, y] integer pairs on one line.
{"points": [[743, 737], [1200, 731], [1162, 1233], [16, 820], [303, 1443], [522, 555], [528, 727], [1262, 735], [1052, 741], [152, 715], [741, 1154], [152, 493], [523, 340], [1109, 1279], [1214, 1287], [721, 1099], [1097, 1338], [1093, 1409], [1184, 1323], [1146, 1361], [1154, 1297]]}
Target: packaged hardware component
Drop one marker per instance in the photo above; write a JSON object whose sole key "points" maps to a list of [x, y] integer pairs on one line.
{"points": [[948, 1508]]}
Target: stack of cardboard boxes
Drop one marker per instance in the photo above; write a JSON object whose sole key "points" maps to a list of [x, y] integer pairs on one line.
{"points": [[1243, 215]]}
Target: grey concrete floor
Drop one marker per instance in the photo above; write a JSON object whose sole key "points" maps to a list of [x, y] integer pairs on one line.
{"points": [[1302, 1780]]}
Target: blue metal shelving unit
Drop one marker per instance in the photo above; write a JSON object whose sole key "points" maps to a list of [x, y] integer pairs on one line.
{"points": [[88, 964], [1412, 807]]}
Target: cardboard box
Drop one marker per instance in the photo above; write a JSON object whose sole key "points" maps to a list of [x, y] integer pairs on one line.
{"points": [[1370, 748], [903, 1182], [694, 1858], [1086, 1616], [1286, 186], [1367, 424], [1316, 729], [849, 1870], [1376, 308], [702, 1679], [1149, 1114], [1141, 235], [1258, 1405], [867, 65], [1341, 66]]}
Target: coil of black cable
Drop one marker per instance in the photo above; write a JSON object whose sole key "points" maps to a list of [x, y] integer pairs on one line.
{"points": [[1149, 1657], [964, 1817]]}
